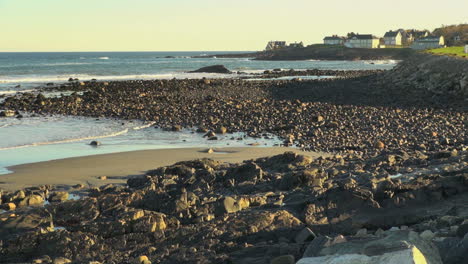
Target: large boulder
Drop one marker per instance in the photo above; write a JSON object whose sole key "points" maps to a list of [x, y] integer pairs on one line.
{"points": [[395, 247], [411, 255], [213, 69]]}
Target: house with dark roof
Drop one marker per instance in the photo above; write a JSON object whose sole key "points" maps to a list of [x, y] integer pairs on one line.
{"points": [[363, 41], [333, 40], [429, 42], [393, 38], [274, 45]]}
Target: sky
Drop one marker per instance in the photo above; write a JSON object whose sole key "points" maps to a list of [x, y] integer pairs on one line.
{"points": [[206, 25]]}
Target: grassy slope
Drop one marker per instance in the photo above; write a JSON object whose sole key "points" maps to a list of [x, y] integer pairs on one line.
{"points": [[450, 51]]}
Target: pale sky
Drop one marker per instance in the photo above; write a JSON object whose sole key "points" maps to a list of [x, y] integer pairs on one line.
{"points": [[196, 25]]}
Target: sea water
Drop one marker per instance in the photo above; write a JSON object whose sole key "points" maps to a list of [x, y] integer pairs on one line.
{"points": [[42, 138]]}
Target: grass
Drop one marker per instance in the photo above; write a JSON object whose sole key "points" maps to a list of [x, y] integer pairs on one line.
{"points": [[450, 51]]}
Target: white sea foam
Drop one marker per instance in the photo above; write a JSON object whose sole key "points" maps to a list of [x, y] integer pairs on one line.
{"points": [[67, 140], [84, 77], [103, 58], [144, 126], [15, 91]]}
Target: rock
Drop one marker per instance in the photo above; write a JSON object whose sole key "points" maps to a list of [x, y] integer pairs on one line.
{"points": [[304, 235], [31, 200], [318, 118], [221, 130], [58, 196], [458, 253], [462, 229], [379, 145], [246, 172], [142, 260], [382, 249], [285, 259], [176, 128], [9, 206], [7, 113], [95, 143], [427, 235], [209, 151], [411, 255], [102, 178], [209, 134], [227, 205], [361, 232], [25, 222], [61, 261], [213, 69]]}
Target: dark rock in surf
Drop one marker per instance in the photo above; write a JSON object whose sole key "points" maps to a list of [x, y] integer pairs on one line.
{"points": [[213, 69]]}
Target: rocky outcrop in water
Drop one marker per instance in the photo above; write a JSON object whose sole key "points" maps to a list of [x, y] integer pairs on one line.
{"points": [[213, 69]]}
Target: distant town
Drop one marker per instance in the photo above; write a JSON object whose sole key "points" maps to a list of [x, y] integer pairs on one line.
{"points": [[446, 36]]}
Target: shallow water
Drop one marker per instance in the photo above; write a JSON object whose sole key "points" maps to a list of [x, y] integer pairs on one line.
{"points": [[38, 139]]}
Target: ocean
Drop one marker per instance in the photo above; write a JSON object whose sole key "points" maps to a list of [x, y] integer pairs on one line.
{"points": [[41, 138]]}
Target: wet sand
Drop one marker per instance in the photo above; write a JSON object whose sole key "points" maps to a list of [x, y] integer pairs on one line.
{"points": [[117, 167]]}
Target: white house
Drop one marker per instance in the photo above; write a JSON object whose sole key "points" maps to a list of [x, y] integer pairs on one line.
{"points": [[367, 41], [430, 42], [466, 48], [393, 38], [333, 40], [274, 45]]}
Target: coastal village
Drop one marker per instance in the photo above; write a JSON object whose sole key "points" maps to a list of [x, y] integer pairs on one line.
{"points": [[399, 38]]}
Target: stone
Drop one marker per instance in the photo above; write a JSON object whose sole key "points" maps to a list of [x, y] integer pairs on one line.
{"points": [[361, 232], [209, 151], [7, 113], [382, 248], [58, 196], [304, 235], [31, 200], [407, 256], [221, 130], [102, 178], [9, 206], [379, 145], [176, 128], [213, 69], [427, 235], [285, 259], [61, 261], [95, 143], [228, 205], [462, 229], [142, 260], [247, 172]]}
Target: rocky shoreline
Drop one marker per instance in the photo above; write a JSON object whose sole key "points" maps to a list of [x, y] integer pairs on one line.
{"points": [[270, 210], [395, 187]]}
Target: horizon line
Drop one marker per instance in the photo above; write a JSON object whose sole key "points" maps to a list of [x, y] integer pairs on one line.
{"points": [[132, 51]]}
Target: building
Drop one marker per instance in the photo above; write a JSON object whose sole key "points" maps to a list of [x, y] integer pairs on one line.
{"points": [[430, 42], [366, 41], [466, 48], [413, 34], [274, 45], [296, 45], [334, 40], [393, 38]]}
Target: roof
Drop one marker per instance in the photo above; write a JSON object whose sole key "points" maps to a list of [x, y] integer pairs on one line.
{"points": [[333, 38], [391, 34], [365, 36]]}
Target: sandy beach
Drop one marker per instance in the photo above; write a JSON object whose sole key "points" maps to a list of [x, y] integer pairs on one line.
{"points": [[117, 167]]}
